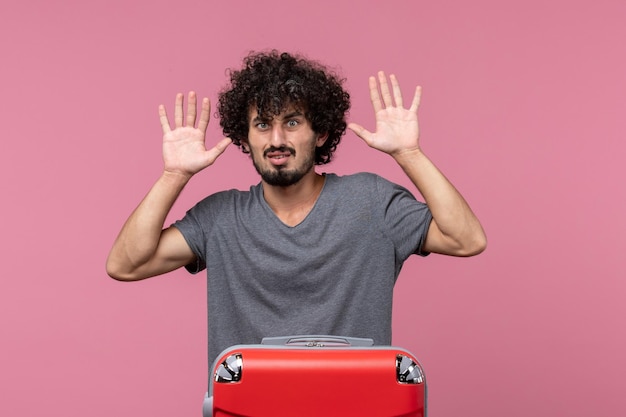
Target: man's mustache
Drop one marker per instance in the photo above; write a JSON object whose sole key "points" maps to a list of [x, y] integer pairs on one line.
{"points": [[292, 151]]}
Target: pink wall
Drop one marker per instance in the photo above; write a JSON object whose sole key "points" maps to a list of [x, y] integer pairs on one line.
{"points": [[523, 109]]}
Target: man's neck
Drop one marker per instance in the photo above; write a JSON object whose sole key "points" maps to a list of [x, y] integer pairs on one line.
{"points": [[293, 203]]}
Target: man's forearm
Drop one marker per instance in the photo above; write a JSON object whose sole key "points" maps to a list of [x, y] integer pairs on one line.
{"points": [[139, 238], [451, 213]]}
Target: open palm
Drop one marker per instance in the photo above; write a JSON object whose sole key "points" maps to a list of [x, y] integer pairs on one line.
{"points": [[184, 149], [397, 128]]}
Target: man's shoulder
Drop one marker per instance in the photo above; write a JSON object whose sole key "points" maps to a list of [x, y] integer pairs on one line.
{"points": [[356, 178], [361, 181], [227, 198], [367, 184]]}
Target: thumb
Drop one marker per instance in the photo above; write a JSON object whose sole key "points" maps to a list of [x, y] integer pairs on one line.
{"points": [[223, 144], [360, 131], [217, 150]]}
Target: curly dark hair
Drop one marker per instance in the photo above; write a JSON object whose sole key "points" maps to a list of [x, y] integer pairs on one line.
{"points": [[272, 81]]}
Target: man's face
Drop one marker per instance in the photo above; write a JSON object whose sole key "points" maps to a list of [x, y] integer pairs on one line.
{"points": [[283, 147]]}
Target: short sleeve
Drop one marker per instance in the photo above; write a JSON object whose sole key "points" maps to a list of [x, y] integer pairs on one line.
{"points": [[406, 220], [192, 229]]}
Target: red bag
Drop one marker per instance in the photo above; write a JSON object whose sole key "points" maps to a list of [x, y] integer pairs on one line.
{"points": [[316, 376]]}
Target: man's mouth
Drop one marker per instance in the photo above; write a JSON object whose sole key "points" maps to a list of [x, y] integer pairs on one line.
{"points": [[279, 156]]}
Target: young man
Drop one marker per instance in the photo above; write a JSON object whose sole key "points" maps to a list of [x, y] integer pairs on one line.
{"points": [[301, 252]]}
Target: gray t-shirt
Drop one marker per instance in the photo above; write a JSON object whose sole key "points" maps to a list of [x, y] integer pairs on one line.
{"points": [[331, 274]]}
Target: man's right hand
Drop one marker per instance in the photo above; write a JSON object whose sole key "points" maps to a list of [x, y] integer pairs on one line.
{"points": [[143, 248], [184, 149]]}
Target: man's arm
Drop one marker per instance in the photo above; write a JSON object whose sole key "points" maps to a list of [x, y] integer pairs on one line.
{"points": [[143, 249], [455, 230]]}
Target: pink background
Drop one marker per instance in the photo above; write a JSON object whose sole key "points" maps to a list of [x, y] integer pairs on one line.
{"points": [[523, 109]]}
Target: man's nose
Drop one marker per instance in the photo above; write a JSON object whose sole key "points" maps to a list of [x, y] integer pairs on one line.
{"points": [[277, 137]]}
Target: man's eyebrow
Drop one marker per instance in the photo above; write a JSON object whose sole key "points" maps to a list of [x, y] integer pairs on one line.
{"points": [[290, 115], [259, 119], [295, 113]]}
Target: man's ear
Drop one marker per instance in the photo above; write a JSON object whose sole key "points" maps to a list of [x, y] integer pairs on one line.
{"points": [[321, 139], [245, 146]]}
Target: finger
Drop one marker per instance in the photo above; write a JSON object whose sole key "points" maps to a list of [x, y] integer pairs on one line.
{"points": [[223, 144], [384, 89], [191, 109], [397, 94], [178, 110], [374, 95], [416, 99], [218, 149], [360, 131], [205, 115], [165, 123]]}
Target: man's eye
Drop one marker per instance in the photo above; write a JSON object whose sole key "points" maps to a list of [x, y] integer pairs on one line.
{"points": [[292, 123], [261, 126]]}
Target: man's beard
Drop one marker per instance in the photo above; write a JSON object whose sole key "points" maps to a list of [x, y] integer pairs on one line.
{"points": [[283, 177]]}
